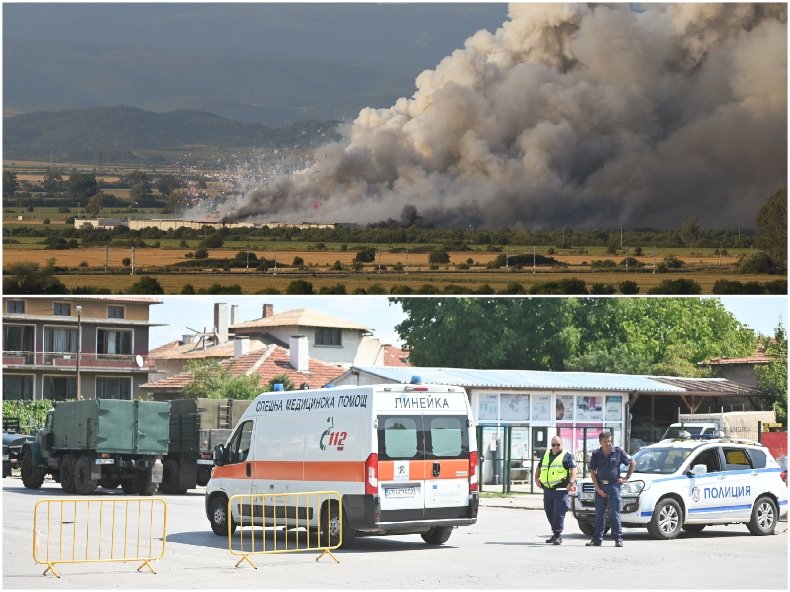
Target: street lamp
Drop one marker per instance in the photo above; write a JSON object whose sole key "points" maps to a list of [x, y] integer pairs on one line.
{"points": [[79, 349]]}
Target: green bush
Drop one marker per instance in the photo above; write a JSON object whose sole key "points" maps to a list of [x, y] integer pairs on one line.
{"points": [[31, 414]]}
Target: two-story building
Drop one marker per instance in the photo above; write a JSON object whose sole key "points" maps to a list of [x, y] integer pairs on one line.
{"points": [[63, 347]]}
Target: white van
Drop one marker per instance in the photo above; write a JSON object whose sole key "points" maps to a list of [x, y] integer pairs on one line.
{"points": [[403, 457]]}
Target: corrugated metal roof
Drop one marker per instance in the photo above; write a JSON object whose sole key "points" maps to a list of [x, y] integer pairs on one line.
{"points": [[467, 377], [704, 386]]}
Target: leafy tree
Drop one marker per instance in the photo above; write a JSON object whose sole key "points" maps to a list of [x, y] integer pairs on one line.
{"points": [[53, 181], [772, 227], [95, 204], [32, 414], [522, 333], [146, 285], [367, 255], [27, 277], [10, 183], [140, 187], [691, 231], [82, 186], [772, 377], [439, 256], [201, 253], [213, 380], [656, 335], [300, 287], [760, 262], [167, 183]]}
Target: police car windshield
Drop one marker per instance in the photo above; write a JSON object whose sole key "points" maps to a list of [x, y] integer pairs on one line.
{"points": [[660, 460]]}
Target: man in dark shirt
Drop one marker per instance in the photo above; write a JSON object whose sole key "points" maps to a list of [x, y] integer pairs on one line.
{"points": [[605, 472], [556, 476]]}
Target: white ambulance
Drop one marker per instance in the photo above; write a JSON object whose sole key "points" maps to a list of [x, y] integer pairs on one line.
{"points": [[403, 457]]}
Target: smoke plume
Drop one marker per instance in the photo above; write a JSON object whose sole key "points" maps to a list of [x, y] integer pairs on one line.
{"points": [[568, 115]]}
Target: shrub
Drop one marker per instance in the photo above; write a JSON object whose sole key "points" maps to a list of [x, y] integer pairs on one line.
{"points": [[679, 286], [599, 288], [201, 253], [629, 287], [299, 287], [367, 255], [759, 262]]}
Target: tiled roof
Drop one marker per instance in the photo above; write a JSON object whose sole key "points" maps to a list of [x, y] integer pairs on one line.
{"points": [[272, 361], [175, 350], [758, 357], [300, 317], [396, 356]]}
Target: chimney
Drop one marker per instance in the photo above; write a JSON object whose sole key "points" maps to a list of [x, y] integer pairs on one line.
{"points": [[186, 338], [234, 314], [241, 346], [268, 310], [299, 346], [221, 321]]}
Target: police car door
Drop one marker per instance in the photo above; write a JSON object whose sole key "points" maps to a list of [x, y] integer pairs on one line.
{"points": [[739, 489], [702, 501]]}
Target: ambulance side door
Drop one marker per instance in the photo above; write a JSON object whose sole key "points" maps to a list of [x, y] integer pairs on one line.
{"points": [[239, 464]]}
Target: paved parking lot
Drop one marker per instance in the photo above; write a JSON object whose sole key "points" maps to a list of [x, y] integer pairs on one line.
{"points": [[504, 550]]}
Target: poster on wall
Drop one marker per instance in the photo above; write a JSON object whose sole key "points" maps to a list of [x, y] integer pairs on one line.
{"points": [[515, 407], [614, 408], [564, 408], [541, 407], [487, 407], [589, 408]]}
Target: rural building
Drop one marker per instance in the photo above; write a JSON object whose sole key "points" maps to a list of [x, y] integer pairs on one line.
{"points": [[739, 369], [527, 407], [268, 362], [59, 347]]}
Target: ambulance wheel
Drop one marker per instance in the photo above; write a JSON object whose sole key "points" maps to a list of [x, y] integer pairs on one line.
{"points": [[667, 520], [438, 535], [693, 528], [67, 474], [764, 517], [32, 476], [332, 535], [586, 526], [218, 516], [82, 476]]}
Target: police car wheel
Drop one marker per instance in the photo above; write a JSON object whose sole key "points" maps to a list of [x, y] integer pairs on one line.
{"points": [[764, 517], [667, 520]]}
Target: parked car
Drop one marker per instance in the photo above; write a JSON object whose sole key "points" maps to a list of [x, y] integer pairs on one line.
{"points": [[12, 449], [690, 484]]}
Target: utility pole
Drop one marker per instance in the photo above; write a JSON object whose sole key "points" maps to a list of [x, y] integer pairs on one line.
{"points": [[79, 350], [132, 272], [106, 256], [533, 259], [654, 258]]}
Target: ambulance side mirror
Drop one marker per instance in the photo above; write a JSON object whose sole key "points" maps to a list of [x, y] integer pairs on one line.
{"points": [[219, 455]]}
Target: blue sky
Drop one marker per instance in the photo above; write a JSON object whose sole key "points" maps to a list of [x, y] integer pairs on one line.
{"points": [[761, 313]]}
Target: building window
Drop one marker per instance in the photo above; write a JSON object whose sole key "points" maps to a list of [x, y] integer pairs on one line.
{"points": [[15, 306], [17, 387], [60, 388], [61, 309], [18, 338], [60, 339], [113, 388], [114, 342], [115, 312], [325, 336]]}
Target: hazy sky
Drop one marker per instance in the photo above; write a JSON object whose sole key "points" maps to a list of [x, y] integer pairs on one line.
{"points": [[761, 313]]}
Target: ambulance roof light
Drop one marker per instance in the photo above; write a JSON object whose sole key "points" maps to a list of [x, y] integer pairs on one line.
{"points": [[277, 386], [416, 379]]}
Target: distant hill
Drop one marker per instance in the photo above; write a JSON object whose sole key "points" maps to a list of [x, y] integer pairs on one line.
{"points": [[43, 75], [116, 133]]}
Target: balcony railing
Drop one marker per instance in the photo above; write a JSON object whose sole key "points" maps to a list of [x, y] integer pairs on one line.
{"points": [[88, 361]]}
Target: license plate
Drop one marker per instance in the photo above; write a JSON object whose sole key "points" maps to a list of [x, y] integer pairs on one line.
{"points": [[400, 491], [586, 497]]}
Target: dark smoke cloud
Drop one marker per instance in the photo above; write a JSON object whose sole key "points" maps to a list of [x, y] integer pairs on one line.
{"points": [[568, 115]]}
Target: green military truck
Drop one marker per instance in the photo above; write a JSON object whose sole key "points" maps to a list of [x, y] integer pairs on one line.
{"points": [[104, 442], [196, 427]]}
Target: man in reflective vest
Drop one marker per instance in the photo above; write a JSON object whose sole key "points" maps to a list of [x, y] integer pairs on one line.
{"points": [[556, 476]]}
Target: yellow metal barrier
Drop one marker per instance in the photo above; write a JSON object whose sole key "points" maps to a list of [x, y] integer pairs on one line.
{"points": [[99, 530], [311, 521]]}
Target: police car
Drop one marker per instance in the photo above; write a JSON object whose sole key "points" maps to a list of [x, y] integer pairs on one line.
{"points": [[687, 484]]}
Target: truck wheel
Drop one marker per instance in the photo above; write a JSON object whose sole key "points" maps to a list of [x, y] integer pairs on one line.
{"points": [[129, 487], [667, 520], [83, 483], [109, 482], [32, 476], [218, 516], [144, 484], [170, 477], [438, 535], [586, 526], [764, 517], [67, 474], [6, 469]]}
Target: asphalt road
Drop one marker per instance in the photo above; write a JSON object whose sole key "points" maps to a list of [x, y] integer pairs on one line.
{"points": [[504, 550]]}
